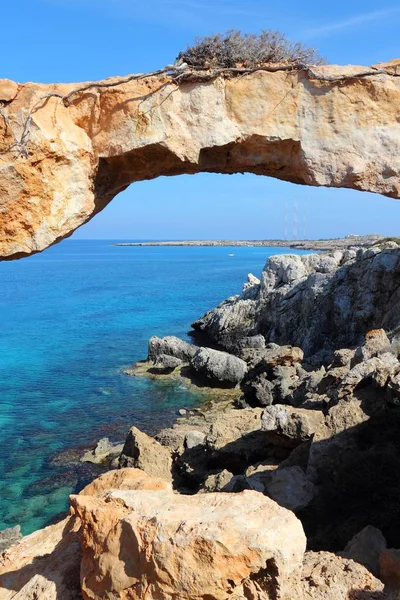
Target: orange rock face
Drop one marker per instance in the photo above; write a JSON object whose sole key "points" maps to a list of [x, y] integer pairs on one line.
{"points": [[63, 157], [129, 537], [46, 564], [146, 546]]}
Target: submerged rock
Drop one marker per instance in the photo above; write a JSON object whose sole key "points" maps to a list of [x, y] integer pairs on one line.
{"points": [[103, 451]]}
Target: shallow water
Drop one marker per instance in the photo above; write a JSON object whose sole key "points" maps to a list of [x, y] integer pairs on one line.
{"points": [[71, 319]]}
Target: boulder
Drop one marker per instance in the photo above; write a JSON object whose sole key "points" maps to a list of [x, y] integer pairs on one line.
{"points": [[257, 476], [342, 358], [258, 390], [329, 577], [365, 548], [291, 426], [286, 382], [250, 348], [163, 545], [278, 356], [376, 343], [389, 567], [194, 438], [290, 488], [123, 479], [235, 440], [9, 536], [43, 565], [103, 451], [167, 362], [344, 415], [377, 369], [144, 452], [219, 366], [218, 482], [170, 346], [331, 380]]}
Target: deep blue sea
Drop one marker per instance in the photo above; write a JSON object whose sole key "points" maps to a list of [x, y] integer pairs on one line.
{"points": [[71, 318]]}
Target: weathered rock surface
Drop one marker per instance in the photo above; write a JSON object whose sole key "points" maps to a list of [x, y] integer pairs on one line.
{"points": [[376, 342], [219, 366], [124, 479], [380, 369], [389, 567], [292, 426], [103, 451], [315, 302], [290, 488], [9, 536], [236, 439], [365, 548], [329, 577], [167, 348], [70, 155], [144, 452], [162, 545], [46, 564]]}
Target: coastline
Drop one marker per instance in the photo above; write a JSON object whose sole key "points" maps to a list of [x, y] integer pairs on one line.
{"points": [[321, 245]]}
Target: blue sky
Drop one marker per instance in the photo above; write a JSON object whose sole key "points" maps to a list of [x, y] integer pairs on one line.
{"points": [[75, 40]]}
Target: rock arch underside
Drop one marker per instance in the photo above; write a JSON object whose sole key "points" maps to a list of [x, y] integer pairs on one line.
{"points": [[67, 149]]}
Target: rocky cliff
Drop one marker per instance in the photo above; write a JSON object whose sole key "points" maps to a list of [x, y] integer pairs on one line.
{"points": [[67, 150], [316, 301]]}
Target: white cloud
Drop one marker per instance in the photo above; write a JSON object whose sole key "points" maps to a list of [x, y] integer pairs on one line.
{"points": [[352, 22]]}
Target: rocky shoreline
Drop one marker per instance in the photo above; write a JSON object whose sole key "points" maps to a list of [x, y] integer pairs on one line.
{"points": [[291, 466], [318, 245]]}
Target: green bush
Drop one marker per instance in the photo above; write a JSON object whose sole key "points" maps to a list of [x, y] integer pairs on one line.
{"points": [[235, 49]]}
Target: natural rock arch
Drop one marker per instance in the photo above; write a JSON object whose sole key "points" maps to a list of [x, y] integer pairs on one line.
{"points": [[67, 150]]}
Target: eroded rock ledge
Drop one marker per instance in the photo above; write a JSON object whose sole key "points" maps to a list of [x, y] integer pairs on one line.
{"points": [[63, 160]]}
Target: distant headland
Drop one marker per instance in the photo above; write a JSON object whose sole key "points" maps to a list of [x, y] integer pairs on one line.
{"points": [[327, 244]]}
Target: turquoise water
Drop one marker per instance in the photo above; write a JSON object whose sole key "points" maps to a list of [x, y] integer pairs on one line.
{"points": [[71, 319]]}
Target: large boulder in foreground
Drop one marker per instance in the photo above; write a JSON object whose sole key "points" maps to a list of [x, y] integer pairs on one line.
{"points": [[46, 564], [131, 537], [219, 366], [146, 545]]}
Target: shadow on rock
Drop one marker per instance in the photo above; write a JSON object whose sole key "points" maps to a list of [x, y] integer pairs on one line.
{"points": [[358, 476], [51, 575]]}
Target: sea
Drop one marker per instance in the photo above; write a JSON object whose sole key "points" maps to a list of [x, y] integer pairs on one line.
{"points": [[72, 319]]}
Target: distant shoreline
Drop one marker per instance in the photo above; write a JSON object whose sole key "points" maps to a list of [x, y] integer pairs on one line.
{"points": [[328, 244]]}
